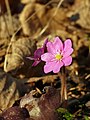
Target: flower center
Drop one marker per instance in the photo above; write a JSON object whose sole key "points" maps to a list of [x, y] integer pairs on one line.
{"points": [[58, 56]]}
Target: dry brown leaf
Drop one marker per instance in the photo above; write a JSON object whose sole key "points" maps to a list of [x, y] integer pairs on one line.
{"points": [[15, 113], [83, 10], [35, 17], [33, 25], [42, 108], [10, 90], [20, 49], [6, 29]]}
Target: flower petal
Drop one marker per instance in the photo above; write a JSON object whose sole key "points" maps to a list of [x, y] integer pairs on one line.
{"points": [[47, 57], [48, 67], [57, 66], [30, 58], [58, 44], [44, 45], [67, 61], [67, 44], [36, 63], [68, 52], [50, 47], [38, 52]]}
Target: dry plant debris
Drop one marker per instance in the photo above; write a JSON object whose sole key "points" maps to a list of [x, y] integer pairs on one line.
{"points": [[43, 107], [33, 21], [20, 49], [10, 90]]}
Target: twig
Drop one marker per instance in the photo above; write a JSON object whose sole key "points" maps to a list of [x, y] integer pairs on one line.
{"points": [[1, 12], [10, 16]]}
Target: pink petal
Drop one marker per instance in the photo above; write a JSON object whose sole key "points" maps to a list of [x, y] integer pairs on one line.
{"points": [[67, 61], [47, 57], [38, 52], [44, 45], [58, 44], [36, 63], [67, 44], [68, 52], [50, 47], [57, 66], [48, 67]]}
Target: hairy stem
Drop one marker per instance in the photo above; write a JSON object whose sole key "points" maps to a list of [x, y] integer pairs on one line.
{"points": [[63, 85]]}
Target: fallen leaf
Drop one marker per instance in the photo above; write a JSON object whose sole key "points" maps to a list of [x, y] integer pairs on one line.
{"points": [[81, 13], [43, 108], [15, 113], [10, 90], [35, 17], [20, 49]]}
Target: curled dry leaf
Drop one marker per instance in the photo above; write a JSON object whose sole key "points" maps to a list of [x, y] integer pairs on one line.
{"points": [[20, 49], [31, 26], [36, 18], [15, 113], [10, 90], [42, 108]]}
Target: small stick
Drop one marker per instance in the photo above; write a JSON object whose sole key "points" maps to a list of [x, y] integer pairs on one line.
{"points": [[10, 16]]}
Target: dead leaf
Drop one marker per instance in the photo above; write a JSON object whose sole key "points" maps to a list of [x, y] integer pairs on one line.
{"points": [[20, 49], [42, 108], [33, 25], [10, 90], [83, 12], [15, 113], [6, 28], [35, 17]]}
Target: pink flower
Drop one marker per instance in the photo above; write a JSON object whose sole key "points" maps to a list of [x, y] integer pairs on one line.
{"points": [[57, 55], [38, 53]]}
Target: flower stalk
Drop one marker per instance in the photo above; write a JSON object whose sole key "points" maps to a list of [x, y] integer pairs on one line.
{"points": [[63, 85]]}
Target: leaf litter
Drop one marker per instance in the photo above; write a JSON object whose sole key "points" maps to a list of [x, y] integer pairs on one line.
{"points": [[30, 87]]}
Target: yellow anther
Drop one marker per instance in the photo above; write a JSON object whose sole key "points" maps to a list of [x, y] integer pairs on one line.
{"points": [[58, 56]]}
